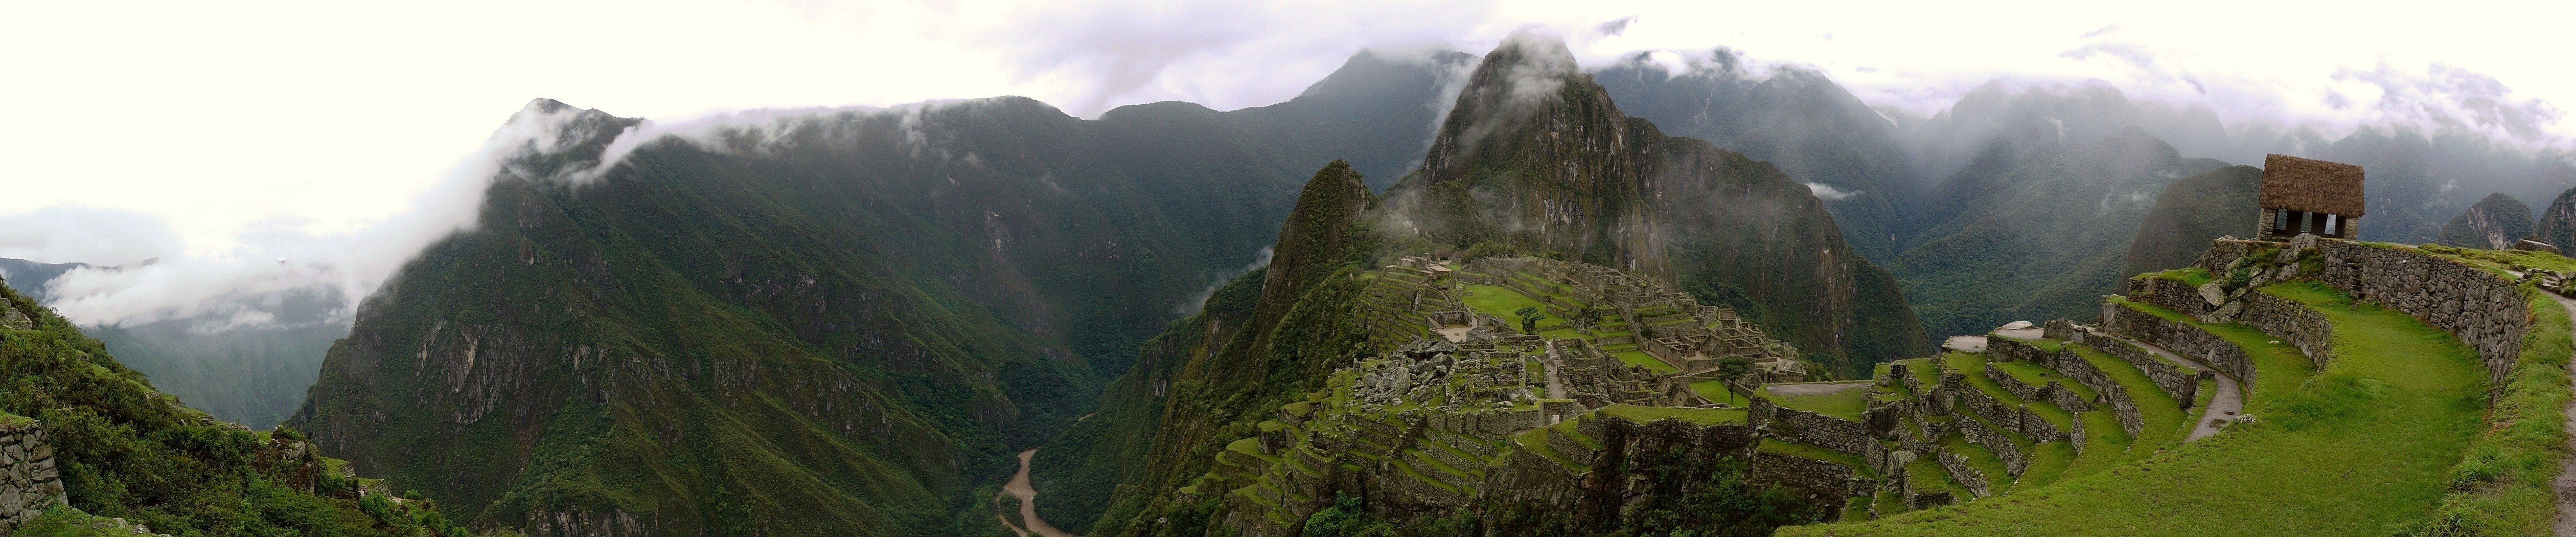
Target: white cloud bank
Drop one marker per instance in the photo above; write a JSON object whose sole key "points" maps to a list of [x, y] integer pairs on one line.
{"points": [[273, 145]]}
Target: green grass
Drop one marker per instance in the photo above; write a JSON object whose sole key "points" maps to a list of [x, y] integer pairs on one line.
{"points": [[14, 420], [2502, 486], [2163, 416], [1974, 367], [61, 521], [2362, 449], [1983, 461], [2501, 260], [1848, 404], [1649, 414], [1641, 359], [2277, 368], [1716, 391], [2191, 275], [1500, 302], [2036, 376]]}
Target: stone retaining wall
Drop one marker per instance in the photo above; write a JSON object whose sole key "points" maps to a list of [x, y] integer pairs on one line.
{"points": [[2075, 436], [2183, 385], [1773, 470], [2295, 323], [2020, 389], [2123, 407], [2003, 446], [2005, 349], [2063, 397], [1803, 427], [1965, 475], [2485, 310], [2181, 338], [28, 480]]}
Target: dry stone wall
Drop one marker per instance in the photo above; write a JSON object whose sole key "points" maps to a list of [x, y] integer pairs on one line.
{"points": [[1803, 427], [2003, 446], [2183, 385], [2485, 310], [28, 480], [2295, 323], [1965, 475], [2123, 407], [2180, 338]]}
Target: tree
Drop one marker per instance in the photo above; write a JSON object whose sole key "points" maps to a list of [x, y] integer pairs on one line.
{"points": [[1731, 369], [1529, 318]]}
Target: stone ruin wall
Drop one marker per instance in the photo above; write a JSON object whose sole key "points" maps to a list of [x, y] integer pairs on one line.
{"points": [[28, 480], [2180, 338], [2183, 385], [2075, 436], [2484, 310]]}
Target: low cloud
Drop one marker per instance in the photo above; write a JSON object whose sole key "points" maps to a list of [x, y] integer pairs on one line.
{"points": [[1829, 193]]}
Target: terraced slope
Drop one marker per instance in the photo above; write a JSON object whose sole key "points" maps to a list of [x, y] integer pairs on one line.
{"points": [[2378, 406]]}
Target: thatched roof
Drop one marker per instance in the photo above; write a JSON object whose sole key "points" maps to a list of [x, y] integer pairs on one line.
{"points": [[2311, 185]]}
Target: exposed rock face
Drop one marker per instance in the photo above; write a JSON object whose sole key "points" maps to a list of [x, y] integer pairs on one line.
{"points": [[2493, 223], [1536, 156]]}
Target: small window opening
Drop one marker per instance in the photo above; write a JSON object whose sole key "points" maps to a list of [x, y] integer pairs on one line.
{"points": [[2334, 225]]}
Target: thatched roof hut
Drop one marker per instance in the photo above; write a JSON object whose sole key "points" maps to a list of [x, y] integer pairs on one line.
{"points": [[2310, 185]]}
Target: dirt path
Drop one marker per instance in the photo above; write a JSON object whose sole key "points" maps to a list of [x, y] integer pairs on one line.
{"points": [[1019, 487], [1555, 388], [2223, 405], [2565, 484]]}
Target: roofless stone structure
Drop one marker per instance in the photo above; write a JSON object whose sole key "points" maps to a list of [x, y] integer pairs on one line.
{"points": [[2309, 196]]}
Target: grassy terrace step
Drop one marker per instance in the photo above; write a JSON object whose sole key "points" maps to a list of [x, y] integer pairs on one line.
{"points": [[2359, 450], [1500, 302], [2163, 415], [1847, 404], [1983, 461], [1974, 367], [2278, 369], [1649, 414]]}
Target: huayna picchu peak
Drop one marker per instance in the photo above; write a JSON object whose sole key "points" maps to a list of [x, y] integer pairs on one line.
{"points": [[1193, 269]]}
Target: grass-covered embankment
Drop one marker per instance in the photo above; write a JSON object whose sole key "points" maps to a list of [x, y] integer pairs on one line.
{"points": [[2364, 448]]}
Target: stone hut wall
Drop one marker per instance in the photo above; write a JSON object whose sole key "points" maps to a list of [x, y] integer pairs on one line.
{"points": [[2181, 338], [28, 480], [2183, 385]]}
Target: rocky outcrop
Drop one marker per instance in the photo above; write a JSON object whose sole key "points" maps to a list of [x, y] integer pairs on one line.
{"points": [[29, 482], [2493, 223]]}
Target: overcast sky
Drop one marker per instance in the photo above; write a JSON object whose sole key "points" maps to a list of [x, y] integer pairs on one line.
{"points": [[246, 133]]}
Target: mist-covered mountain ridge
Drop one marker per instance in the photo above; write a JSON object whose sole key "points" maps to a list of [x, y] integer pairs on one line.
{"points": [[659, 334]]}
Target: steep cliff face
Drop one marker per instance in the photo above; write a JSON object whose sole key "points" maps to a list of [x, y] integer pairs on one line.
{"points": [[2190, 213], [834, 324], [1537, 157], [2493, 224]]}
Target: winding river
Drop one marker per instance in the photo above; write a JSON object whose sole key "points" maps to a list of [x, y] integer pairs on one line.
{"points": [[1019, 488]]}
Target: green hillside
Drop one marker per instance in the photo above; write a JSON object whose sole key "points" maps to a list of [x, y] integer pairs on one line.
{"points": [[125, 450], [2190, 213]]}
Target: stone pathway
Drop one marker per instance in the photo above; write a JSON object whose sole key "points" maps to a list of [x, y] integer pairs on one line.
{"points": [[2565, 484], [2223, 405], [1965, 343], [1019, 487]]}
